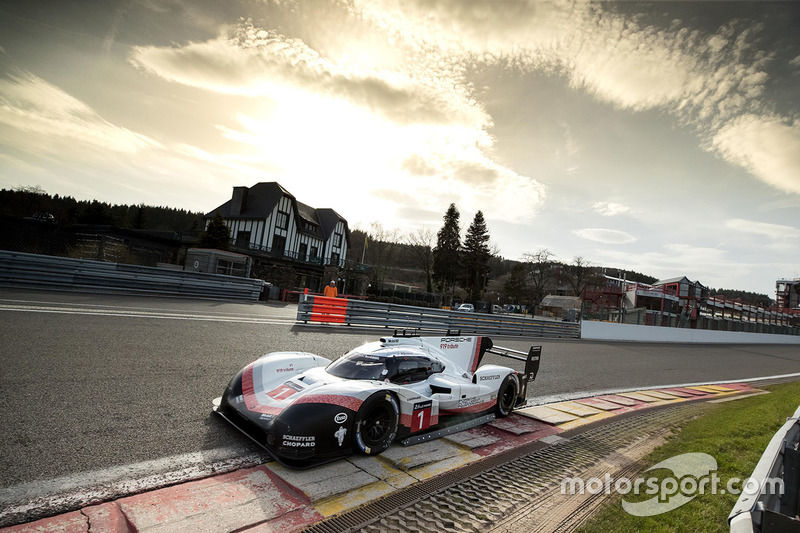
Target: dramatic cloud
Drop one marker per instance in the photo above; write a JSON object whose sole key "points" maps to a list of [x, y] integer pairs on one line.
{"points": [[407, 123], [767, 147], [253, 62], [605, 236], [703, 80], [30, 104]]}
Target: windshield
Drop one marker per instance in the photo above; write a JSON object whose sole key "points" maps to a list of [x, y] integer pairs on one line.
{"points": [[400, 368], [355, 365]]}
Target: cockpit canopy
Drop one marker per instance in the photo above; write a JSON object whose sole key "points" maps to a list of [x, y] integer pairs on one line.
{"points": [[396, 364]]}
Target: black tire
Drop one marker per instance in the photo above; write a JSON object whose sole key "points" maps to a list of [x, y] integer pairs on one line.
{"points": [[506, 396], [376, 424]]}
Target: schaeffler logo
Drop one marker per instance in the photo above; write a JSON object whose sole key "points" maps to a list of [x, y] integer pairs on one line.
{"points": [[693, 474]]}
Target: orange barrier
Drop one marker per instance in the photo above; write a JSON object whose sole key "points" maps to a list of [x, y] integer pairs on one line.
{"points": [[325, 309]]}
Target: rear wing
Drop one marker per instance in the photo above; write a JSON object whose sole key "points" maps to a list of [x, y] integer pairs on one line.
{"points": [[532, 359]]}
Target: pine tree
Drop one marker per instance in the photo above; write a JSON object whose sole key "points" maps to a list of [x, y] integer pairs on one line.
{"points": [[446, 260], [476, 257], [216, 234], [138, 217]]}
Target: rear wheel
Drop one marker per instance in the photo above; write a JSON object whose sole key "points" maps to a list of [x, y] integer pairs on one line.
{"points": [[376, 424], [506, 396]]}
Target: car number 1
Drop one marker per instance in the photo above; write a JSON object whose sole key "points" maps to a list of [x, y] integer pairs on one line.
{"points": [[421, 418]]}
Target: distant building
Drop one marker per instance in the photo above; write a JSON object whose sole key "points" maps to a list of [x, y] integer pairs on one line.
{"points": [[787, 292], [285, 237]]}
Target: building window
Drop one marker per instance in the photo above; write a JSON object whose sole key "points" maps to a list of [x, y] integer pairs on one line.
{"points": [[243, 238], [301, 255], [278, 245], [334, 259], [282, 220], [337, 240]]}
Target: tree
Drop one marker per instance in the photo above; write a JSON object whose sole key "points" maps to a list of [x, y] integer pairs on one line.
{"points": [[96, 213], [421, 247], [138, 217], [515, 289], [216, 234], [582, 275], [476, 257], [381, 250], [446, 261], [540, 271]]}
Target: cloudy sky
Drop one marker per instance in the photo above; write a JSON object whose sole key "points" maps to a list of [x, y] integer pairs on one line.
{"points": [[661, 137]]}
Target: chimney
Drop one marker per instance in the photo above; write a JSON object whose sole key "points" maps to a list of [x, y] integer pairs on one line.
{"points": [[239, 200]]}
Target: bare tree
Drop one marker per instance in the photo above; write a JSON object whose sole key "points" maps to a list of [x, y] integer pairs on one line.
{"points": [[540, 271], [421, 243], [581, 275], [381, 249]]}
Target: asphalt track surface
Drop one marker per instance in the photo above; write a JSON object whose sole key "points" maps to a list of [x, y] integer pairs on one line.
{"points": [[92, 382]]}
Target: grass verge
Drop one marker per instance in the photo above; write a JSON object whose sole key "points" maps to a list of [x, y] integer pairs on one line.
{"points": [[736, 434]]}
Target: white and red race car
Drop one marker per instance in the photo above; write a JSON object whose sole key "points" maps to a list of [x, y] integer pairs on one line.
{"points": [[306, 410]]}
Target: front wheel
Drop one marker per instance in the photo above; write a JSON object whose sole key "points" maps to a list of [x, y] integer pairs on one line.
{"points": [[506, 396], [376, 423]]}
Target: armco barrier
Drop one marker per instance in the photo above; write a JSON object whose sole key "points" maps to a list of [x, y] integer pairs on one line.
{"points": [[319, 309], [769, 501], [44, 271]]}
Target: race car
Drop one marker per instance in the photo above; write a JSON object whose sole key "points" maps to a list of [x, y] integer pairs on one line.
{"points": [[307, 410]]}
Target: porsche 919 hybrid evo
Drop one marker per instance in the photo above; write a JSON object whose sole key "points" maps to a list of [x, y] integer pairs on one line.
{"points": [[306, 410]]}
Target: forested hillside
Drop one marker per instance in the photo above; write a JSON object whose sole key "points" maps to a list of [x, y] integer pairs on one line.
{"points": [[26, 201]]}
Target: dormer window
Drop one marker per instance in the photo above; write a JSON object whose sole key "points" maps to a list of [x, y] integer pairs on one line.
{"points": [[282, 220]]}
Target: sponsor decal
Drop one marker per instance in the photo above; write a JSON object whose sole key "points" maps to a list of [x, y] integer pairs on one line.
{"points": [[468, 402], [340, 418], [489, 378], [290, 369], [455, 339], [266, 416], [448, 346], [340, 433], [297, 441], [240, 398]]}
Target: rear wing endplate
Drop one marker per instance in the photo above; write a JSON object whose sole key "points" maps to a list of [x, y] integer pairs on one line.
{"points": [[532, 359]]}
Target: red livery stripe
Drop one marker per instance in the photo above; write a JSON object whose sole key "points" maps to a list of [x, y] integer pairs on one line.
{"points": [[347, 402], [249, 393], [477, 408], [476, 355]]}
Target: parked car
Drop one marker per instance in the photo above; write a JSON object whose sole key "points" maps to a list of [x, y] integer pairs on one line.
{"points": [[466, 308]]}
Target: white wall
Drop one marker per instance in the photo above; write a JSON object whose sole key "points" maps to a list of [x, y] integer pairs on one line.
{"points": [[611, 331]]}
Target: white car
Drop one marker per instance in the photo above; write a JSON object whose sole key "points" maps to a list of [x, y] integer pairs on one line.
{"points": [[466, 308], [306, 410]]}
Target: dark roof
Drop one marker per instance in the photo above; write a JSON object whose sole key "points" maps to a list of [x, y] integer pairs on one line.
{"points": [[259, 201], [328, 218]]}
